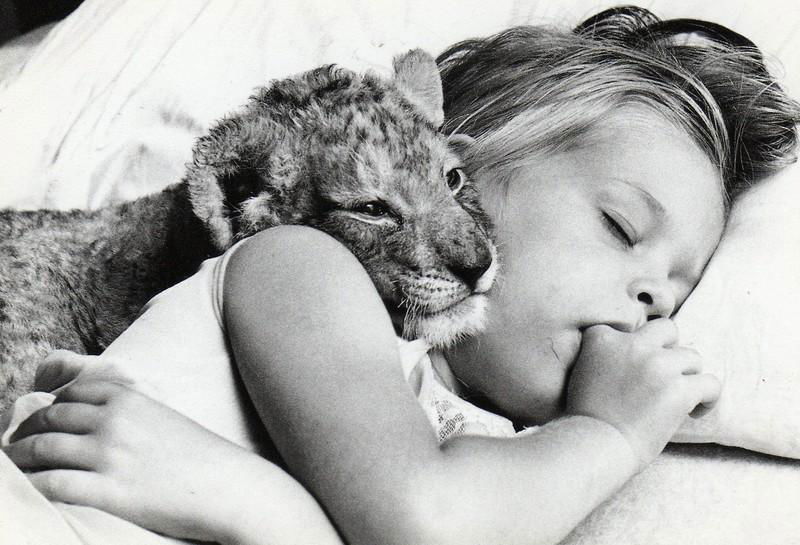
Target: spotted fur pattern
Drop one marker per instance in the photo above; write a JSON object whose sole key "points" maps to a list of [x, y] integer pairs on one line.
{"points": [[354, 155]]}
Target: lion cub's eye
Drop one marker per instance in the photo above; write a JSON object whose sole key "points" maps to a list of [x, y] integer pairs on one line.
{"points": [[373, 209], [455, 179]]}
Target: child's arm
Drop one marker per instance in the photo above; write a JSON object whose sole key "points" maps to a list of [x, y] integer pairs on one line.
{"points": [[317, 351], [104, 444]]}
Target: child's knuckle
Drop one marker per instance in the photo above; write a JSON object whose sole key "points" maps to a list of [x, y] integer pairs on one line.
{"points": [[662, 330], [669, 362], [677, 393], [50, 483], [56, 358], [690, 355], [668, 325], [110, 426], [687, 401], [657, 371], [51, 416], [691, 351], [109, 423], [115, 373], [105, 457], [124, 401], [66, 392], [41, 447]]}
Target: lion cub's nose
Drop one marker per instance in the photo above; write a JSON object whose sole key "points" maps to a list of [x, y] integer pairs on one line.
{"points": [[470, 274]]}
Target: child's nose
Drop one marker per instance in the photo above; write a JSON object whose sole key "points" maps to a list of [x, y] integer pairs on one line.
{"points": [[645, 300], [658, 301]]}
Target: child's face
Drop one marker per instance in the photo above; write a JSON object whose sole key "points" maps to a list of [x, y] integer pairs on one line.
{"points": [[613, 232]]}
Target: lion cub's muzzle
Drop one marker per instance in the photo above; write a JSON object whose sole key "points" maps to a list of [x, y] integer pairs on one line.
{"points": [[472, 274], [447, 303]]}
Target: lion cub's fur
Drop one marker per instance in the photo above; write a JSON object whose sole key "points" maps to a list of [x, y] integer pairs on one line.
{"points": [[353, 155]]}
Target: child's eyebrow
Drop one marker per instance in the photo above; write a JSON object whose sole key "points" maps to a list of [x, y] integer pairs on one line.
{"points": [[656, 208]]}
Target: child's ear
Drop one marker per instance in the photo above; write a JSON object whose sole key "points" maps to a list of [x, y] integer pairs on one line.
{"points": [[418, 77]]}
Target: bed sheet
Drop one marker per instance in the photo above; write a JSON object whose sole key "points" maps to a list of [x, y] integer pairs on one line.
{"points": [[120, 133]]}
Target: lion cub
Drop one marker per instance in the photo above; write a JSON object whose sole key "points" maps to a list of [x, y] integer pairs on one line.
{"points": [[353, 155]]}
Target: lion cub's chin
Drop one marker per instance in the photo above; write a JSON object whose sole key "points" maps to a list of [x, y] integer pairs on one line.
{"points": [[448, 326]]}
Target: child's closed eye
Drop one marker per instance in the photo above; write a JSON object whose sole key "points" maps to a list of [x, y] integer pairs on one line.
{"points": [[620, 228]]}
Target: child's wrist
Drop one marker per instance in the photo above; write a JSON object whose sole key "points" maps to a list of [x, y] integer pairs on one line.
{"points": [[264, 504], [620, 443], [225, 509]]}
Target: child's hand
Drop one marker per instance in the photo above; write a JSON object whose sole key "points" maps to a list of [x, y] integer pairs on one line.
{"points": [[105, 445], [642, 383], [61, 367]]}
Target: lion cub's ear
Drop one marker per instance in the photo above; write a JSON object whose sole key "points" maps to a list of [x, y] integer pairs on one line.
{"points": [[461, 143], [418, 77]]}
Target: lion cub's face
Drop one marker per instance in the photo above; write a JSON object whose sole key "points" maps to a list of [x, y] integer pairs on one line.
{"points": [[398, 198], [361, 159]]}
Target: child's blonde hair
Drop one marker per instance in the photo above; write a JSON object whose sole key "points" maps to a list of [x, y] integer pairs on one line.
{"points": [[532, 90]]}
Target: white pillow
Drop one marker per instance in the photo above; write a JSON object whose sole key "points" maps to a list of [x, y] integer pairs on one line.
{"points": [[743, 318]]}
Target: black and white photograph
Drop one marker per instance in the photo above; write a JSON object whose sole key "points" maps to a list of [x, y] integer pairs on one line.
{"points": [[399, 272]]}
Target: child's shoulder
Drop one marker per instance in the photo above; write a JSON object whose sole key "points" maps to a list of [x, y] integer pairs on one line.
{"points": [[291, 242], [302, 276], [292, 257]]}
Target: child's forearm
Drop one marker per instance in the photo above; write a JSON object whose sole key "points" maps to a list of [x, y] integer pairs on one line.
{"points": [[540, 487], [261, 504], [537, 487]]}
